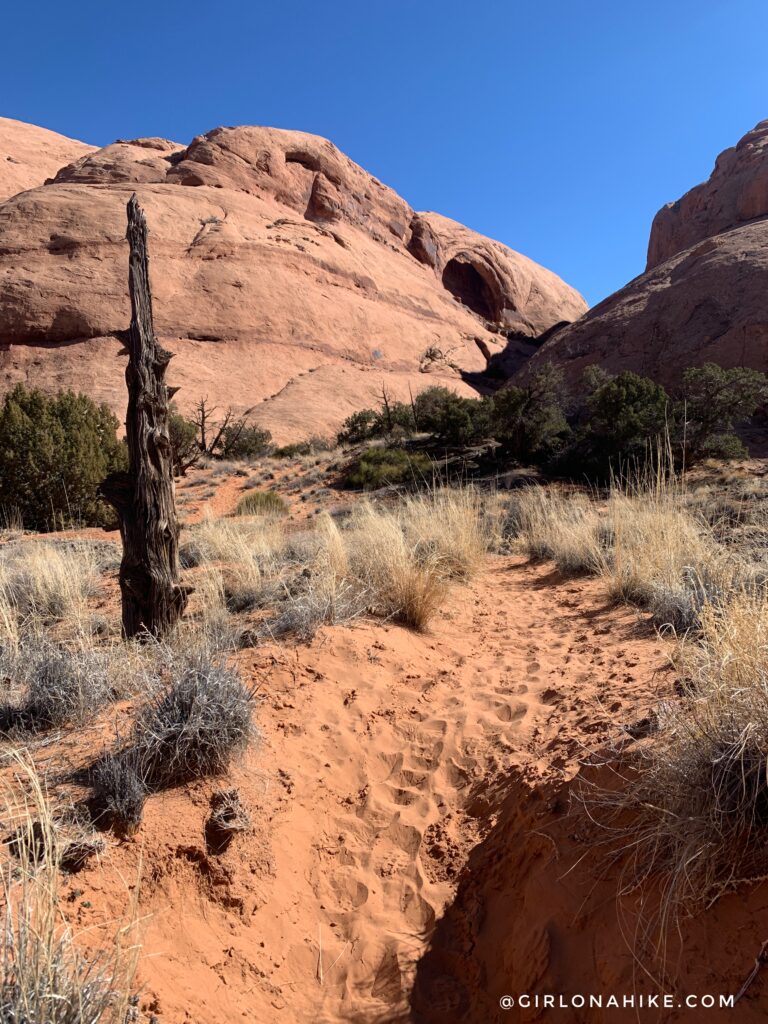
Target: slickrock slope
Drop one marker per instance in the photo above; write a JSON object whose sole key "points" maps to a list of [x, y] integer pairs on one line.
{"points": [[29, 155], [704, 295], [285, 278]]}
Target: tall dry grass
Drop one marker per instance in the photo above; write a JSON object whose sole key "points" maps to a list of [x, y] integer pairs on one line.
{"points": [[42, 581], [649, 541], [692, 813], [405, 583], [566, 528], [247, 555], [454, 526], [45, 975]]}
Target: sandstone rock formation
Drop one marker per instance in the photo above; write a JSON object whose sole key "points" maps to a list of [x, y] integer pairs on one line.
{"points": [[736, 192], [704, 295], [29, 155], [285, 277]]}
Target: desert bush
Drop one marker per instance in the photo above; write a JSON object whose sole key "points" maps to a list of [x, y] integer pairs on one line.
{"points": [[312, 446], [621, 426], [119, 790], [185, 445], [191, 728], [713, 401], [43, 975], [529, 421], [54, 452], [381, 467], [450, 418], [360, 426], [231, 437], [243, 440], [261, 503], [195, 726], [62, 686]]}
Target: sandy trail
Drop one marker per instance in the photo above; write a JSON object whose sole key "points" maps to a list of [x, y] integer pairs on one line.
{"points": [[382, 766], [391, 743]]}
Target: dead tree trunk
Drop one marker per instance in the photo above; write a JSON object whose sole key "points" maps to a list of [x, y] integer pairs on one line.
{"points": [[152, 597]]}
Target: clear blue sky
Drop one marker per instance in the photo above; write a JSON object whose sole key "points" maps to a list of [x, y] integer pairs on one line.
{"points": [[556, 126]]}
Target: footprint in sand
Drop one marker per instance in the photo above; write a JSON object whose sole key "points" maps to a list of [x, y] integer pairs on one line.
{"points": [[411, 779], [507, 713], [419, 914], [406, 837], [533, 668], [402, 797], [349, 892]]}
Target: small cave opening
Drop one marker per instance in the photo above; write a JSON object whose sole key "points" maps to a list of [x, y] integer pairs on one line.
{"points": [[464, 281]]}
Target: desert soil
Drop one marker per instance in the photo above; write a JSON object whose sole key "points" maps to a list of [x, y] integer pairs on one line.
{"points": [[385, 758]]}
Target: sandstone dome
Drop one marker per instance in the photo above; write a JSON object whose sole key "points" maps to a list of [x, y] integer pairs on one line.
{"points": [[285, 278]]}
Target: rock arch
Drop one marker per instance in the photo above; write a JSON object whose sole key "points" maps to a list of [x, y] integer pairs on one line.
{"points": [[470, 283]]}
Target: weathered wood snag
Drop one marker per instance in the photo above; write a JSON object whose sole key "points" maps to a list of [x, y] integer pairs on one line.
{"points": [[143, 497]]}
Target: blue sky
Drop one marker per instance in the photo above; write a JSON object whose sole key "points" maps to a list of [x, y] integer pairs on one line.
{"points": [[557, 127]]}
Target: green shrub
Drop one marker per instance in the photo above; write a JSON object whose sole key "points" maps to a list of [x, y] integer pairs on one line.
{"points": [[358, 427], [242, 440], [529, 421], [451, 418], [185, 447], [379, 467], [311, 446], [392, 419], [54, 452], [713, 400], [261, 503], [623, 420]]}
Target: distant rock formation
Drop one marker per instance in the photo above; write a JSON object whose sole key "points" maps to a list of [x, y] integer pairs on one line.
{"points": [[285, 278], [704, 295], [735, 193], [29, 155]]}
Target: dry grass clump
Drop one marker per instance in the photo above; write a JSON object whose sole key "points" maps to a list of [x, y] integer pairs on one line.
{"points": [[255, 542], [249, 552], [43, 975], [261, 503], [196, 725], [566, 528], [49, 581], [405, 583], [452, 526], [228, 817], [650, 544], [394, 562], [324, 591], [61, 685], [323, 600]]}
